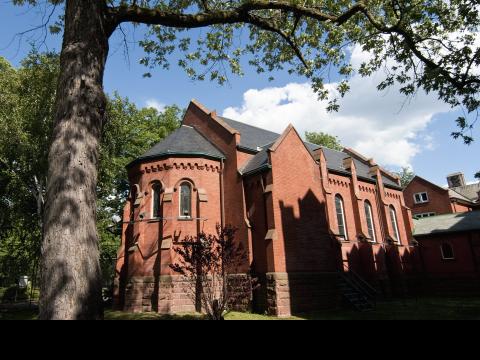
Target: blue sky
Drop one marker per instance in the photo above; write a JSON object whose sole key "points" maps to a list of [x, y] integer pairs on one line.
{"points": [[380, 125]]}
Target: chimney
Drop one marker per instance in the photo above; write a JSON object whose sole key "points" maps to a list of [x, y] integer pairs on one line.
{"points": [[456, 180]]}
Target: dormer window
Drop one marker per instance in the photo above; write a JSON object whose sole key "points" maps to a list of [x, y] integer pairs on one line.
{"points": [[421, 198]]}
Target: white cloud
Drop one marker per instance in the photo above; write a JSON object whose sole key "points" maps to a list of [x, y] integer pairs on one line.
{"points": [[382, 125], [152, 103]]}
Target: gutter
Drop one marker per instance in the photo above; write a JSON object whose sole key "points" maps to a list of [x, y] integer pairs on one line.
{"points": [[263, 168]]}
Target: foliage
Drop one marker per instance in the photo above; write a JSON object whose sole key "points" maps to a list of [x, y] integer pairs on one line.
{"points": [[406, 176], [26, 111], [477, 176], [206, 262], [426, 44], [27, 103], [323, 139]]}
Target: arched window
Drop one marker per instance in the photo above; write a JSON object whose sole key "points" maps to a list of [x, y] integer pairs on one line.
{"points": [[185, 200], [340, 208], [393, 218], [370, 222], [447, 252], [156, 196]]}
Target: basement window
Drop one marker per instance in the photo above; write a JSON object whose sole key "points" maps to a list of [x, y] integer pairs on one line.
{"points": [[424, 215]]}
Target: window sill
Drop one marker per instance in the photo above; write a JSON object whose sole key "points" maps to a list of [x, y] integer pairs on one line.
{"points": [[185, 219]]}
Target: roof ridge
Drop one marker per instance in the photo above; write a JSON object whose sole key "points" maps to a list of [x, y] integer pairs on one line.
{"points": [[252, 126]]}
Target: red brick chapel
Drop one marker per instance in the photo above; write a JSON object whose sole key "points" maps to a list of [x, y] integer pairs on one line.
{"points": [[306, 214]]}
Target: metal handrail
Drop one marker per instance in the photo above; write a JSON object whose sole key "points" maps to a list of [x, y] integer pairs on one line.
{"points": [[362, 284]]}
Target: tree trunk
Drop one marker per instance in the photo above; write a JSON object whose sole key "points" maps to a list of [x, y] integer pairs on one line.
{"points": [[70, 268]]}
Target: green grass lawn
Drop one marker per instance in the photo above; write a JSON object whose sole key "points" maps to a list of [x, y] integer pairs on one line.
{"points": [[423, 309]]}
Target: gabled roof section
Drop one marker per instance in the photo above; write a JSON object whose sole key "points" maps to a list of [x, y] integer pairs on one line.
{"points": [[467, 194], [185, 141], [450, 223], [419, 178], [213, 115]]}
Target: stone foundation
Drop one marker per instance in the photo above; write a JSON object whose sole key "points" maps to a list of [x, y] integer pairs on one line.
{"points": [[174, 295], [295, 293]]}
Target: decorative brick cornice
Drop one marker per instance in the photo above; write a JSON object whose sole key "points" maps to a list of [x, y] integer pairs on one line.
{"points": [[180, 165]]}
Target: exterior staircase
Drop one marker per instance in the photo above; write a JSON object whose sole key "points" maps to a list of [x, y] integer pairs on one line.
{"points": [[357, 292]]}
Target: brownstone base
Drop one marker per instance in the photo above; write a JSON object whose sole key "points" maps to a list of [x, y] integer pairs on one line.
{"points": [[174, 294], [294, 293]]}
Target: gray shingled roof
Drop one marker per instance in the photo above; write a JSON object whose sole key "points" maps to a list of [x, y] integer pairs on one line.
{"points": [[254, 138], [455, 195], [449, 223], [469, 191], [184, 141]]}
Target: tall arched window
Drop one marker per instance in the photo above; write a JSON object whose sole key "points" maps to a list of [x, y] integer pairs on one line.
{"points": [[370, 222], [340, 208], [447, 252], [185, 200], [156, 196], [394, 220]]}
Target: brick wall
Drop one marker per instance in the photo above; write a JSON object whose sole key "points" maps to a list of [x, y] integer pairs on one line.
{"points": [[439, 199]]}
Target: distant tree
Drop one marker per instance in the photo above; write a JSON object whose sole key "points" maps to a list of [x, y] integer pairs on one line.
{"points": [[406, 176], [477, 176], [323, 139], [206, 262]]}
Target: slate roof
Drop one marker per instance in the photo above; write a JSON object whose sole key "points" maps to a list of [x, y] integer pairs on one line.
{"points": [[252, 137], [188, 141], [257, 139], [468, 191], [184, 141], [449, 223]]}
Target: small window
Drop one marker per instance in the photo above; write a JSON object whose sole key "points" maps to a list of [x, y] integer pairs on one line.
{"points": [[421, 198], [340, 208], [447, 252], [370, 222], [185, 201], [424, 215], [156, 204], [394, 220]]}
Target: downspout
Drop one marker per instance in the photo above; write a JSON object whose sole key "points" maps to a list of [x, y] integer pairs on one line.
{"points": [[222, 193]]}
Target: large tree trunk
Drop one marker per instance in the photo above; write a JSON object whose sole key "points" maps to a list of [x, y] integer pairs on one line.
{"points": [[70, 268]]}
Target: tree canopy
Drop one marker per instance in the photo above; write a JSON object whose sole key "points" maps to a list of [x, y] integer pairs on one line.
{"points": [[406, 176], [427, 44], [323, 139]]}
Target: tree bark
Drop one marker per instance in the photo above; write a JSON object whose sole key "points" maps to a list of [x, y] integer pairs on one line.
{"points": [[71, 283]]}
